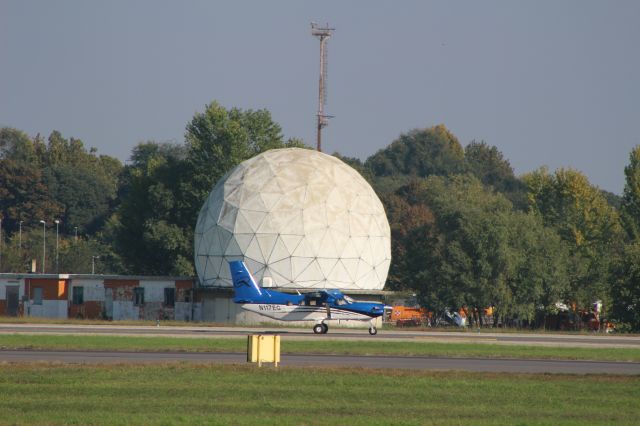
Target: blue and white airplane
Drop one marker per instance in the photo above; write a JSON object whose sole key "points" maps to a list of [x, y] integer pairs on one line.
{"points": [[319, 306]]}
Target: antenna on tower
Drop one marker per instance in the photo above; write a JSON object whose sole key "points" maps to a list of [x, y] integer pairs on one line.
{"points": [[323, 33]]}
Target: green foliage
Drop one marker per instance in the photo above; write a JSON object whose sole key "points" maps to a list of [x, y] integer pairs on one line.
{"points": [[218, 139], [432, 151], [451, 258], [73, 256], [458, 244], [489, 165], [487, 251], [626, 288], [61, 180], [356, 164], [166, 185], [152, 230], [568, 203], [614, 200], [24, 193], [409, 221], [630, 208], [84, 184]]}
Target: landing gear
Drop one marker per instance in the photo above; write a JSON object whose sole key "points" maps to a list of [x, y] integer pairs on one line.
{"points": [[373, 331], [321, 328]]}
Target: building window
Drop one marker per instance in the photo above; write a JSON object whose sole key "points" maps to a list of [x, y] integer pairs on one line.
{"points": [[37, 296], [169, 297], [78, 295], [138, 296]]}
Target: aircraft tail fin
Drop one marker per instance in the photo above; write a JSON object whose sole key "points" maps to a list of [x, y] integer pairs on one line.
{"points": [[245, 287]]}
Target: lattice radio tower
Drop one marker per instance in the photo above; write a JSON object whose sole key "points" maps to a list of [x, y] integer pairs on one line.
{"points": [[323, 33]]}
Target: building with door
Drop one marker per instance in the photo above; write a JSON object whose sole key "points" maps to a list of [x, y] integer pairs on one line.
{"points": [[112, 297]]}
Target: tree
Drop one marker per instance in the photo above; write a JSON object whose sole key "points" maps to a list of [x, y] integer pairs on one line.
{"points": [[425, 152], [17, 146], [83, 184], [583, 218], [459, 244], [489, 165], [166, 185], [218, 139], [626, 289], [60, 180], [24, 192], [539, 268], [465, 258], [150, 202], [409, 220], [630, 208]]}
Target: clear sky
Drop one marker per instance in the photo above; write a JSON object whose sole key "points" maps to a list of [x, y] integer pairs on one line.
{"points": [[553, 83]]}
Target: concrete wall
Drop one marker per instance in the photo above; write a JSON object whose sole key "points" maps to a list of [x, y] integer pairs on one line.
{"points": [[48, 309]]}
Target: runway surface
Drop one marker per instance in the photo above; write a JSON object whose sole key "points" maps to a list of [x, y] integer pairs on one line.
{"points": [[310, 361], [555, 339]]}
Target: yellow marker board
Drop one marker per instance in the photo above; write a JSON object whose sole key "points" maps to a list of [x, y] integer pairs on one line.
{"points": [[263, 348]]}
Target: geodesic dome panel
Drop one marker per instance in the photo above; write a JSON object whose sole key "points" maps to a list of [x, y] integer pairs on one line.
{"points": [[300, 217]]}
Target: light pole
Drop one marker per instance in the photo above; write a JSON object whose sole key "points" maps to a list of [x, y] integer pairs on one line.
{"points": [[20, 236], [93, 264], [57, 224], [76, 229], [44, 240]]}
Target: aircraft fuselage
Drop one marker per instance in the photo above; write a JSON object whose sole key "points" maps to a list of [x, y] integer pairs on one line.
{"points": [[304, 313]]}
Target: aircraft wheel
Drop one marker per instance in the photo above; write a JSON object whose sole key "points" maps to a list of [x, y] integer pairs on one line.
{"points": [[325, 328], [373, 331], [318, 329]]}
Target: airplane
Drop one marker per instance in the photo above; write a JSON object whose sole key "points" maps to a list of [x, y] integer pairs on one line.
{"points": [[319, 306]]}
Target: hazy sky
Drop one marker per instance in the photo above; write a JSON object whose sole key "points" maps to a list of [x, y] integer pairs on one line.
{"points": [[552, 83]]}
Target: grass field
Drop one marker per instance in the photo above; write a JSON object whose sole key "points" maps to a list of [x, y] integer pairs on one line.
{"points": [[197, 394], [321, 346]]}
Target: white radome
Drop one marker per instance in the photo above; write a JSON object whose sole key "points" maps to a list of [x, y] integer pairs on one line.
{"points": [[299, 219]]}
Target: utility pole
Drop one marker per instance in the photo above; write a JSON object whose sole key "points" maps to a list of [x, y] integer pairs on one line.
{"points": [[57, 251], [44, 243], [93, 264], [323, 33]]}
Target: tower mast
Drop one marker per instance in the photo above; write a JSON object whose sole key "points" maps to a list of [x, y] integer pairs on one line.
{"points": [[323, 33]]}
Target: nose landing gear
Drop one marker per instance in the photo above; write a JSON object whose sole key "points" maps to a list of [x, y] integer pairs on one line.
{"points": [[320, 328]]}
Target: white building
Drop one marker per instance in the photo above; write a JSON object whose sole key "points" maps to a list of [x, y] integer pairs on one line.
{"points": [[113, 297], [297, 218]]}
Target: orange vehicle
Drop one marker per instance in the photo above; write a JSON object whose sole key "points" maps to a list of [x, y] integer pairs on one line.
{"points": [[405, 316]]}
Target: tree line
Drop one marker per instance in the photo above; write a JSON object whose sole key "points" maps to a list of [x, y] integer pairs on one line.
{"points": [[466, 232]]}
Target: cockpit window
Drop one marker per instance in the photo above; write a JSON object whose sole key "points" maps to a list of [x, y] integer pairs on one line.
{"points": [[347, 299]]}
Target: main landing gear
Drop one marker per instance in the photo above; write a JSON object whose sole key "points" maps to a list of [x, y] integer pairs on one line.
{"points": [[372, 328], [321, 328]]}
